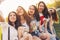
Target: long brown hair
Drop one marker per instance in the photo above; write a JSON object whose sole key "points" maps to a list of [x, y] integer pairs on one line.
{"points": [[26, 17], [45, 11], [54, 15]]}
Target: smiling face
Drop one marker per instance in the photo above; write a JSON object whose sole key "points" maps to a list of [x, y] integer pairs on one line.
{"points": [[31, 10], [12, 17], [20, 11], [41, 7]]}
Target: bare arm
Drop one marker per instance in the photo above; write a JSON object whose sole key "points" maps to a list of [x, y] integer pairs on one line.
{"points": [[51, 25], [45, 25]]}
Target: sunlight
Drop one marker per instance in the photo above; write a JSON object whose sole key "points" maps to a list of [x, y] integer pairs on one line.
{"points": [[11, 5]]}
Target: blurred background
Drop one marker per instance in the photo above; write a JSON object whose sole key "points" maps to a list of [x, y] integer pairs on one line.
{"points": [[11, 5]]}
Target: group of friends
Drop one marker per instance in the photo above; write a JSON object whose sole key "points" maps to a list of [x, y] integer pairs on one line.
{"points": [[36, 24]]}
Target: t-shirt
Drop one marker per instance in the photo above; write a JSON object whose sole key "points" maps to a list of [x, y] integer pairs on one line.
{"points": [[26, 27]]}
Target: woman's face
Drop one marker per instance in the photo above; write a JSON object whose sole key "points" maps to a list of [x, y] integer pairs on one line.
{"points": [[12, 17], [20, 11], [31, 10], [51, 11], [41, 7]]}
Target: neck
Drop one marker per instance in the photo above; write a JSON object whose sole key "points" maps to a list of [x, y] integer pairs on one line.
{"points": [[40, 11], [13, 24], [31, 16], [22, 17]]}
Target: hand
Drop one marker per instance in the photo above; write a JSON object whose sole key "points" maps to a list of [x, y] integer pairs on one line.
{"points": [[41, 30]]}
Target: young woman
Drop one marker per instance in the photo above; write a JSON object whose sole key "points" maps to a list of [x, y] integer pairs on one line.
{"points": [[32, 14], [53, 18], [43, 15], [24, 21], [33, 24], [13, 20]]}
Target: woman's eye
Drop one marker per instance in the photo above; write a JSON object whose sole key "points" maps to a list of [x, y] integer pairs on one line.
{"points": [[14, 15], [10, 15]]}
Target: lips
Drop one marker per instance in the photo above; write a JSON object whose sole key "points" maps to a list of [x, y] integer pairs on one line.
{"points": [[40, 8]]}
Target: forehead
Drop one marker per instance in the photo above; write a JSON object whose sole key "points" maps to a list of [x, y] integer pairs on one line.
{"points": [[51, 9], [12, 13], [31, 7], [19, 7], [41, 4]]}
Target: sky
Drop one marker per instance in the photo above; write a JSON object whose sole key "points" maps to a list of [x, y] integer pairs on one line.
{"points": [[11, 5]]}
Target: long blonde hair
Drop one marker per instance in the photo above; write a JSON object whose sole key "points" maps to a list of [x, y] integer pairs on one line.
{"points": [[25, 15]]}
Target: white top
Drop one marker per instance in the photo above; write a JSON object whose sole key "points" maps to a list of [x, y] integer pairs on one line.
{"points": [[13, 31], [26, 27], [40, 14]]}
